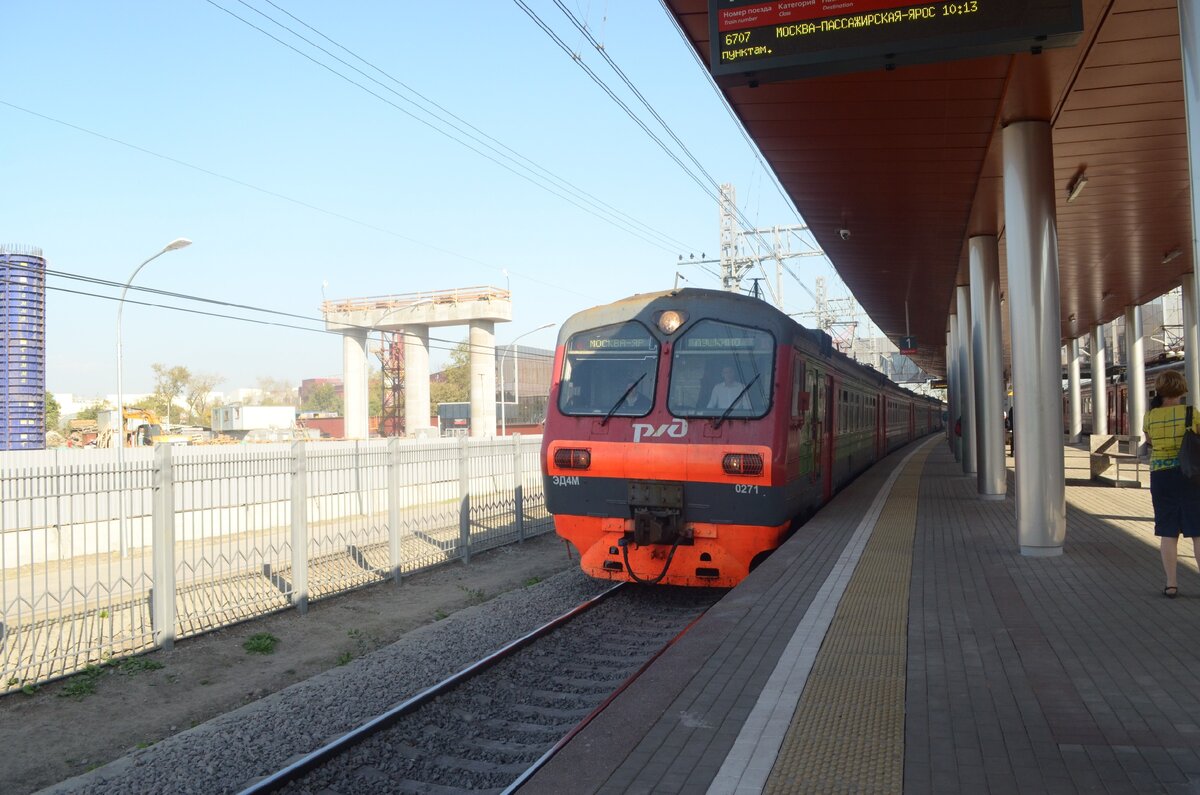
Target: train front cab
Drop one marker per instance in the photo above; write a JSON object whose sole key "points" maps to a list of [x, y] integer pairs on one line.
{"points": [[676, 490]]}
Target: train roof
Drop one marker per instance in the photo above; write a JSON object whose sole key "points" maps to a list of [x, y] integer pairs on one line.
{"points": [[735, 307]]}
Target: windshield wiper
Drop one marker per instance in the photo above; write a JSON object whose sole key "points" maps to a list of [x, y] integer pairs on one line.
{"points": [[621, 400], [733, 402]]}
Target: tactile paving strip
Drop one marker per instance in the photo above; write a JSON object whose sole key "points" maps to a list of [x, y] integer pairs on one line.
{"points": [[847, 734]]}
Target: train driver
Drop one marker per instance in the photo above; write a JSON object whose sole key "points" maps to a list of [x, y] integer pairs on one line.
{"points": [[636, 401], [725, 392]]}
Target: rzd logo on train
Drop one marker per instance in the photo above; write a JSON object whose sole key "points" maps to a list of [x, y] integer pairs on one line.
{"points": [[676, 430]]}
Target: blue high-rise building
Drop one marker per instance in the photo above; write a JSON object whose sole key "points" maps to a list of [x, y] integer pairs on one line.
{"points": [[22, 348]]}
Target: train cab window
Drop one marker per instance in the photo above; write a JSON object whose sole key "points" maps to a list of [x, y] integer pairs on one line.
{"points": [[717, 366], [609, 369]]}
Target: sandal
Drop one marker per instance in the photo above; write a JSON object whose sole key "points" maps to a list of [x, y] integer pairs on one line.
{"points": [[1171, 591]]}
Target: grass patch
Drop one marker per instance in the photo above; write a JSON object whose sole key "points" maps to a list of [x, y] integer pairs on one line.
{"points": [[142, 745], [29, 690], [262, 643], [82, 684], [136, 665], [532, 581], [439, 615], [475, 596], [344, 658]]}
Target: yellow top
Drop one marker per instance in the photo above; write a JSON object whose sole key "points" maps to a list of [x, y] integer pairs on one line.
{"points": [[1164, 428]]}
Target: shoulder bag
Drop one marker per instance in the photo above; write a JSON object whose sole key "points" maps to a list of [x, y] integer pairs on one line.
{"points": [[1189, 452]]}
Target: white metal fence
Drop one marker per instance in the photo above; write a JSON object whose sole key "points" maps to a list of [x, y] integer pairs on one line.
{"points": [[229, 533]]}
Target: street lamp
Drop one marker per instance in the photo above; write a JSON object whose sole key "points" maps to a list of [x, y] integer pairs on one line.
{"points": [[516, 379], [174, 245]]}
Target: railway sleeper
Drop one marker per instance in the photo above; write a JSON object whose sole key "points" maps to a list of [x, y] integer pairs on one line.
{"points": [[593, 685], [540, 730], [484, 767], [552, 713], [550, 698], [504, 747]]}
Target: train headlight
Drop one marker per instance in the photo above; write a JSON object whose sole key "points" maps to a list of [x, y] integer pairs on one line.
{"points": [[670, 321], [749, 464], [572, 458]]}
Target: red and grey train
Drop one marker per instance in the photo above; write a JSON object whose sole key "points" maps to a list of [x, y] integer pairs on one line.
{"points": [[1117, 392], [689, 432]]}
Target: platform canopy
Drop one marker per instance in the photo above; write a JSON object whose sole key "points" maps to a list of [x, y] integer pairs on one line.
{"points": [[909, 161]]}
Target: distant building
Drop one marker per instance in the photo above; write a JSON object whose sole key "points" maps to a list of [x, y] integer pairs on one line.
{"points": [[238, 420]]}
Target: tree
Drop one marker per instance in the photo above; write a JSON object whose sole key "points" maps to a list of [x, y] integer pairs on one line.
{"points": [[276, 392], [197, 393], [375, 394], [53, 412], [455, 384], [91, 412], [323, 398], [169, 384]]}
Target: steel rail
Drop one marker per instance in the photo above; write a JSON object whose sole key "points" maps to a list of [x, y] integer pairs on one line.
{"points": [[566, 738], [330, 750]]}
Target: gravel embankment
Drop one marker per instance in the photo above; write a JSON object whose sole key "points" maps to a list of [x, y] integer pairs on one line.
{"points": [[228, 752]]}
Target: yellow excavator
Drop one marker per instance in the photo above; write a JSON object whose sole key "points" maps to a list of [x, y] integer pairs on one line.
{"points": [[142, 429]]}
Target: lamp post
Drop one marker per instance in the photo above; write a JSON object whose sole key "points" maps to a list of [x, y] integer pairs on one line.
{"points": [[503, 356], [174, 245]]}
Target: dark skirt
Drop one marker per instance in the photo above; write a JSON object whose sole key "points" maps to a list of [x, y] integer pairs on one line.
{"points": [[1176, 504]]}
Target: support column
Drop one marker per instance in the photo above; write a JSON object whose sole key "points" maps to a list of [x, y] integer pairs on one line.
{"points": [[1189, 45], [1075, 429], [1191, 339], [1099, 383], [987, 354], [949, 387], [955, 386], [483, 378], [354, 384], [416, 380], [1033, 300], [1135, 370], [966, 379]]}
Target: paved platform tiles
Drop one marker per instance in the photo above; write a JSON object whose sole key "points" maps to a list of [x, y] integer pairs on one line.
{"points": [[1068, 674]]}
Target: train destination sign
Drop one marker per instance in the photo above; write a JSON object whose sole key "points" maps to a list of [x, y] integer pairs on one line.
{"points": [[755, 41]]}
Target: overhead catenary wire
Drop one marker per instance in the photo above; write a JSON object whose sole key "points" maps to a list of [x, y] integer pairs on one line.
{"points": [[506, 166], [743, 221], [565, 183]]}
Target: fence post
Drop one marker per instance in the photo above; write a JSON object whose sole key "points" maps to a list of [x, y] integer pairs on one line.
{"points": [[300, 527], [518, 488], [394, 486], [464, 495], [162, 518]]}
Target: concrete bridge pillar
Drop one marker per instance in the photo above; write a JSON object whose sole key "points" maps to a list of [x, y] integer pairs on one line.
{"points": [[416, 380], [354, 383], [482, 343]]}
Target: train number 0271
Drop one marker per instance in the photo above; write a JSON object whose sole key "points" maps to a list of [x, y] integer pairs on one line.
{"points": [[741, 488]]}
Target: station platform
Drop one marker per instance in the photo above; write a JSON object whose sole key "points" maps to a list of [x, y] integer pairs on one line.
{"points": [[899, 642]]}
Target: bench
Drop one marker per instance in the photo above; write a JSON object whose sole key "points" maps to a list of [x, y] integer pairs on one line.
{"points": [[1110, 452]]}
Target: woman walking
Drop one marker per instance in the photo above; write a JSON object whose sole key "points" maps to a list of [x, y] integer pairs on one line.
{"points": [[1176, 500]]}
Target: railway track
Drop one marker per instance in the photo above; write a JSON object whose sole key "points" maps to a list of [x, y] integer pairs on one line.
{"points": [[490, 726]]}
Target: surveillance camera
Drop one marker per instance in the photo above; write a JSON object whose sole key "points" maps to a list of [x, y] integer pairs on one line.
{"points": [[844, 234]]}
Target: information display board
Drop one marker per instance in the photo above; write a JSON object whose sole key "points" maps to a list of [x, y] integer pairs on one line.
{"points": [[789, 39]]}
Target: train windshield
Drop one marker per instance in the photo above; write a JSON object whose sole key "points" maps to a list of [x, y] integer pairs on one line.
{"points": [[610, 371], [716, 366]]}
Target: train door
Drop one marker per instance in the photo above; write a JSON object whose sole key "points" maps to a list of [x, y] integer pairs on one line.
{"points": [[800, 406], [912, 421], [827, 443], [1111, 391], [880, 433]]}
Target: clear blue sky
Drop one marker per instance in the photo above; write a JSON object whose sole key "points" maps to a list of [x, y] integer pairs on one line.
{"points": [[402, 208]]}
